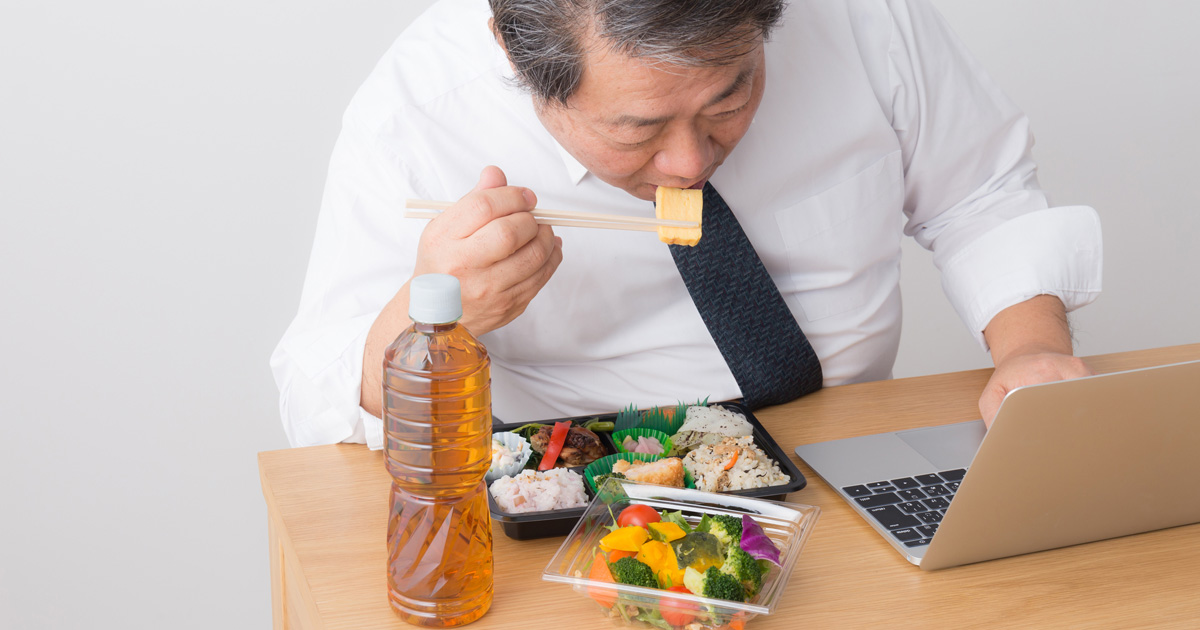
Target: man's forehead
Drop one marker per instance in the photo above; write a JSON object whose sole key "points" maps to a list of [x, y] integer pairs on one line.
{"points": [[624, 90]]}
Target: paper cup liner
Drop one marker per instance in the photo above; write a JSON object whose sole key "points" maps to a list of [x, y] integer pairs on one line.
{"points": [[604, 465], [513, 442], [662, 438]]}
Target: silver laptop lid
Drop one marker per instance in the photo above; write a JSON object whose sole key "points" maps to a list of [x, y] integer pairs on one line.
{"points": [[1065, 463], [1078, 461]]}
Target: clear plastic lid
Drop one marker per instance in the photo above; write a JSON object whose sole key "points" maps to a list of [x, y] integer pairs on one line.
{"points": [[788, 525]]}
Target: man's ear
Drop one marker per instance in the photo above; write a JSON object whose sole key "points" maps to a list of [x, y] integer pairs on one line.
{"points": [[500, 41], [497, 35]]}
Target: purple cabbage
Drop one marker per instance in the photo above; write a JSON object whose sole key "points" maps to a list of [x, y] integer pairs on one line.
{"points": [[756, 543]]}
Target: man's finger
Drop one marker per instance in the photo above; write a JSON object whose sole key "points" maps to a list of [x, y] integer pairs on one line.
{"points": [[491, 177], [989, 404], [526, 271], [534, 254], [479, 208], [528, 288], [499, 239]]}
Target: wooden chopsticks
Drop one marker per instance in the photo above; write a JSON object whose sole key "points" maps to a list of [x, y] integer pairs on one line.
{"points": [[427, 209]]}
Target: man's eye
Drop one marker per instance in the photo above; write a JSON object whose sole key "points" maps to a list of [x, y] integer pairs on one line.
{"points": [[732, 111], [632, 144]]}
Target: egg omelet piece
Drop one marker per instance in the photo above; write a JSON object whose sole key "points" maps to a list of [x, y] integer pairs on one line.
{"points": [[680, 204]]}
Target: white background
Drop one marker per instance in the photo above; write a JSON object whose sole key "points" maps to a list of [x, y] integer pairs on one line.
{"points": [[161, 165]]}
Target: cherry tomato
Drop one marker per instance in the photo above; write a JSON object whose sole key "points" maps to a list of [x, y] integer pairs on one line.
{"points": [[640, 515], [677, 612]]}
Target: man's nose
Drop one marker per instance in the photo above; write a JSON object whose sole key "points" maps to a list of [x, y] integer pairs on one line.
{"points": [[687, 154]]}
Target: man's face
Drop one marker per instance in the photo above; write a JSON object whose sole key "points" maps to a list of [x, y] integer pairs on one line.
{"points": [[638, 126]]}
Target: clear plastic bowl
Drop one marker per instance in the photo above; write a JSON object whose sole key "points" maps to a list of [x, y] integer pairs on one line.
{"points": [[788, 525]]}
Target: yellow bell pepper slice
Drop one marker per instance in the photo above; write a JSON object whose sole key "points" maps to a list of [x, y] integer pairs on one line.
{"points": [[666, 531], [671, 573], [625, 539], [661, 559], [654, 554]]}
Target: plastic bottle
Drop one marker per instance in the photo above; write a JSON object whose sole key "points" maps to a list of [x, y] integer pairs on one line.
{"points": [[437, 413]]}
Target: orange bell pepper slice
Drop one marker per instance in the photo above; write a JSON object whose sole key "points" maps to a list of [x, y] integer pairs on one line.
{"points": [[617, 554]]}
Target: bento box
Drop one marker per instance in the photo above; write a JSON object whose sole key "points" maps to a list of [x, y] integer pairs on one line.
{"points": [[787, 526], [559, 522]]}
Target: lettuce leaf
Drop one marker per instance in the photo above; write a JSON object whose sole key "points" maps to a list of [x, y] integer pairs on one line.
{"points": [[677, 518]]}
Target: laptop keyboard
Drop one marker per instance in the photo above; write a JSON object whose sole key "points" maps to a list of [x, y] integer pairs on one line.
{"points": [[909, 507]]}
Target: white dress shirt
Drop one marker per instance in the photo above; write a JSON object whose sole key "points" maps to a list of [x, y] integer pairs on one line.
{"points": [[876, 122]]}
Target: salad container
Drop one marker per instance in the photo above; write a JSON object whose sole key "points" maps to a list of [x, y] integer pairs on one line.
{"points": [[788, 525], [531, 525]]}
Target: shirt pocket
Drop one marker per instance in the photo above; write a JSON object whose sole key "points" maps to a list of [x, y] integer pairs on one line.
{"points": [[838, 241]]}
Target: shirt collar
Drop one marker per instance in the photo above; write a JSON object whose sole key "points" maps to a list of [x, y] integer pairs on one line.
{"points": [[575, 170]]}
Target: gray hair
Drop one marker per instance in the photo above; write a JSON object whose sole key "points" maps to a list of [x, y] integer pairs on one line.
{"points": [[545, 38]]}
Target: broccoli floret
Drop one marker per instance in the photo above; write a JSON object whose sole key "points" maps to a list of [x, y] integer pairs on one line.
{"points": [[727, 529], [633, 572], [600, 479], [720, 585], [745, 568]]}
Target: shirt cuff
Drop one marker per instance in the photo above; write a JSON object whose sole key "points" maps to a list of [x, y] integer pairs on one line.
{"points": [[319, 373], [372, 429], [1057, 251]]}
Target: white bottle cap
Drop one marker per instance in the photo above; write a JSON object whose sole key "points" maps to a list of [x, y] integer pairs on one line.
{"points": [[434, 298]]}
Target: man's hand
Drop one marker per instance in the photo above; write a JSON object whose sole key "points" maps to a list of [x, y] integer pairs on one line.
{"points": [[1027, 369], [501, 256], [492, 244], [1030, 344]]}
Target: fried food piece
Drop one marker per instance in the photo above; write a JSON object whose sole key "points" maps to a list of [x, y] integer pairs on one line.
{"points": [[581, 448], [664, 472], [680, 204]]}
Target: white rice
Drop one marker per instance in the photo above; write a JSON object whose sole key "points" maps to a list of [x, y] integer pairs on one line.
{"points": [[753, 469], [716, 419], [538, 491]]}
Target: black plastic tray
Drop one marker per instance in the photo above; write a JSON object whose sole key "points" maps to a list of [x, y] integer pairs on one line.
{"points": [[530, 525]]}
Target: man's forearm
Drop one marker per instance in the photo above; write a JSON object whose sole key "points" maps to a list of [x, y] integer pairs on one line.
{"points": [[392, 320], [1033, 326]]}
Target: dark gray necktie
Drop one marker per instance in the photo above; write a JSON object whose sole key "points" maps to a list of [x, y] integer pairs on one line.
{"points": [[763, 345]]}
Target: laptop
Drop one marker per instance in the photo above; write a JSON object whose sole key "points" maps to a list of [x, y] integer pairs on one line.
{"points": [[1064, 463]]}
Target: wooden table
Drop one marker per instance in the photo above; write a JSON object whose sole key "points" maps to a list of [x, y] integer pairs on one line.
{"points": [[327, 518]]}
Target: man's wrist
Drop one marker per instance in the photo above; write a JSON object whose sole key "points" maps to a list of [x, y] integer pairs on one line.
{"points": [[1035, 326]]}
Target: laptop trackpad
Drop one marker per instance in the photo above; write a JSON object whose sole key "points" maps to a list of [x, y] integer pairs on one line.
{"points": [[949, 446]]}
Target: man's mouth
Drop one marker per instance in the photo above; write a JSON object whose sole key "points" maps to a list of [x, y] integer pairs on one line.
{"points": [[693, 185]]}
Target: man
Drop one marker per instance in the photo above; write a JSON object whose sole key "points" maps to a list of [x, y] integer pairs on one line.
{"points": [[847, 119]]}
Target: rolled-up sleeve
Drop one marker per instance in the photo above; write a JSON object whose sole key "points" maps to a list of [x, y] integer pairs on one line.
{"points": [[362, 254], [971, 190]]}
